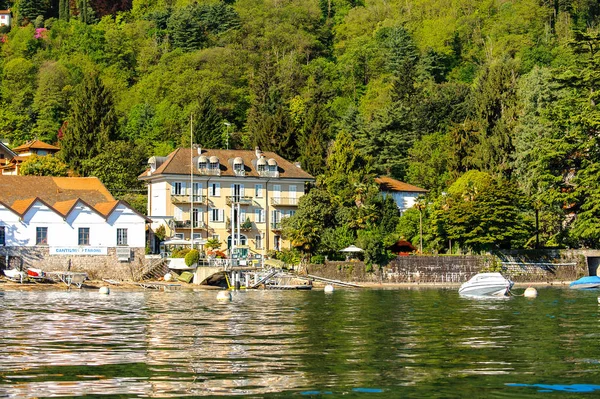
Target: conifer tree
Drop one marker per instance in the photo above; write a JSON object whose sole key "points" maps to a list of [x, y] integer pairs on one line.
{"points": [[92, 123], [30, 9], [207, 124], [64, 11], [269, 122]]}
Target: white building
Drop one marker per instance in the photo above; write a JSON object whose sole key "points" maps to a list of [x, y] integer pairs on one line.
{"points": [[51, 222], [404, 194], [4, 17]]}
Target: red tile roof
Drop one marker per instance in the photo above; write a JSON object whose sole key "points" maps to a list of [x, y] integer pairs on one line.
{"points": [[389, 184], [53, 189], [64, 207], [178, 162], [106, 208], [22, 206], [35, 145]]}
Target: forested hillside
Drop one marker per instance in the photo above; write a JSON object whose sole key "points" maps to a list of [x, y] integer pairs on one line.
{"points": [[489, 104]]}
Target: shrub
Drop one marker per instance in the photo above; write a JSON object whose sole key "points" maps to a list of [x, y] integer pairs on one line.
{"points": [[179, 252], [192, 257], [317, 259]]}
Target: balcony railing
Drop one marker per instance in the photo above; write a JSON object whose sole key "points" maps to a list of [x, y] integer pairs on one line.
{"points": [[185, 199], [187, 224], [243, 226], [238, 199], [209, 171], [268, 173], [276, 226], [239, 172], [284, 201]]}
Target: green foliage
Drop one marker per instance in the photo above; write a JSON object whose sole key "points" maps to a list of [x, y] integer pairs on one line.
{"points": [[43, 166], [207, 124], [161, 232], [180, 252], [192, 257], [374, 247], [482, 213], [317, 259], [212, 243], [423, 91], [190, 26], [92, 124], [30, 9], [315, 213], [118, 166]]}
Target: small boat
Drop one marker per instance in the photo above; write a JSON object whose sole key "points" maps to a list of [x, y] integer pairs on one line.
{"points": [[33, 272], [486, 284], [586, 283], [15, 275]]}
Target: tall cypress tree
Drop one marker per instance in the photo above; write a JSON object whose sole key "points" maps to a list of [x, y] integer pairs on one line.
{"points": [[64, 12], [208, 124], [92, 123], [269, 121]]}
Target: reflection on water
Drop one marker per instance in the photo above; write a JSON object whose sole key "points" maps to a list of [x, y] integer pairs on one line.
{"points": [[419, 343]]}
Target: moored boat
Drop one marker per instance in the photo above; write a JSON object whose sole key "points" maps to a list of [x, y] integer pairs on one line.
{"points": [[15, 275], [486, 284], [586, 283]]}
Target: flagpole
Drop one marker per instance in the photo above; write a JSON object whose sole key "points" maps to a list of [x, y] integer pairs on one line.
{"points": [[191, 181]]}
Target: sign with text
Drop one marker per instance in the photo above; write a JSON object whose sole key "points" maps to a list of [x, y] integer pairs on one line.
{"points": [[78, 251]]}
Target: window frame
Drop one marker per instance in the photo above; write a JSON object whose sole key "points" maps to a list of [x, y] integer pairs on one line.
{"points": [[120, 237], [41, 235], [83, 240]]}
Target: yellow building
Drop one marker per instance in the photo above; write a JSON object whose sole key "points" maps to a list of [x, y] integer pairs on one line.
{"points": [[200, 192]]}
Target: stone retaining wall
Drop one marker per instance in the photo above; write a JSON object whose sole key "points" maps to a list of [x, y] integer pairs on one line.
{"points": [[519, 266], [96, 266]]}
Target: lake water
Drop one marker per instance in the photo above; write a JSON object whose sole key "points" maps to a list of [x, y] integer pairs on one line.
{"points": [[421, 343]]}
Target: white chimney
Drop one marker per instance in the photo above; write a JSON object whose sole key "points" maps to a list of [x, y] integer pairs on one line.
{"points": [[258, 152], [199, 150]]}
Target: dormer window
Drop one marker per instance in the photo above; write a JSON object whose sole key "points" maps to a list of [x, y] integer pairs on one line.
{"points": [[214, 162], [272, 165], [261, 165], [238, 164], [203, 162]]}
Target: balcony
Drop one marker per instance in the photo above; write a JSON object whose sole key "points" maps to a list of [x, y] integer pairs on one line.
{"points": [[276, 226], [185, 199], [187, 224], [284, 201], [238, 199], [239, 172], [245, 227], [268, 173], [210, 171]]}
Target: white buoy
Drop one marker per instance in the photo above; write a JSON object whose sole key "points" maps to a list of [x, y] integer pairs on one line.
{"points": [[168, 277], [530, 292], [328, 288], [223, 296], [104, 290]]}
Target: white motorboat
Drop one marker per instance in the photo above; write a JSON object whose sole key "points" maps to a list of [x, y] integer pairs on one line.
{"points": [[486, 284], [15, 275]]}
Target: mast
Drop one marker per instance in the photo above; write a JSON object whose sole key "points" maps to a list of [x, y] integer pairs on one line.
{"points": [[191, 181]]}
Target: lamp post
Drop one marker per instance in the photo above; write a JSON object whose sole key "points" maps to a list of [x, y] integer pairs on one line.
{"points": [[227, 132]]}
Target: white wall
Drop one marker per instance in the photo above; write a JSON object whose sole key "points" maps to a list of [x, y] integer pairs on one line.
{"points": [[405, 200], [61, 233], [159, 195], [6, 20]]}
